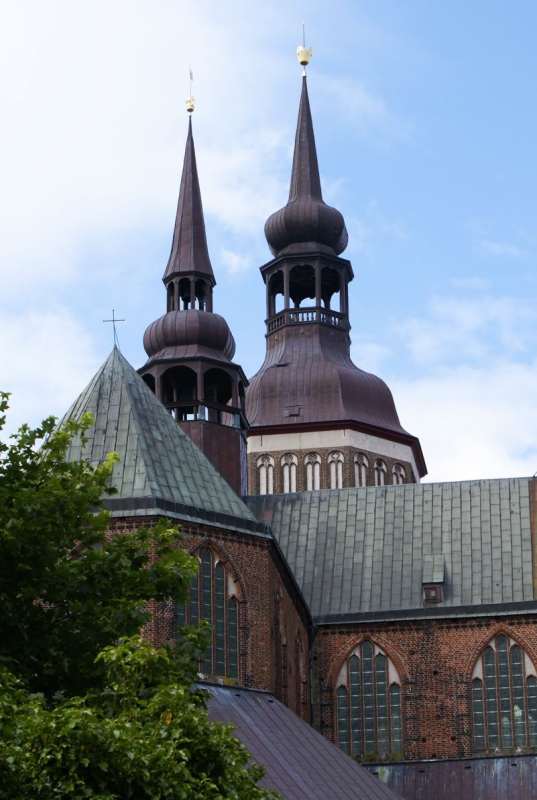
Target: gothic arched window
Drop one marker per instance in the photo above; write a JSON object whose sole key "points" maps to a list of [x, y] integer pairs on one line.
{"points": [[368, 705], [289, 465], [313, 472], [398, 474], [213, 596], [335, 466], [265, 469], [504, 698], [361, 465], [380, 473]]}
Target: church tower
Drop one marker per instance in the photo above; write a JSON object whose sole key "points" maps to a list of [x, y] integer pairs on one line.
{"points": [[190, 348], [316, 420]]}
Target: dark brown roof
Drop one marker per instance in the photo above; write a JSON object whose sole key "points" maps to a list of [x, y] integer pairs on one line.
{"points": [[299, 762], [189, 251], [306, 220], [507, 778], [310, 379], [189, 334]]}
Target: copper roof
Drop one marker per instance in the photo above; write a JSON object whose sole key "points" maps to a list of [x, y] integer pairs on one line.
{"points": [[365, 553], [188, 334], [306, 219], [299, 762], [189, 251]]}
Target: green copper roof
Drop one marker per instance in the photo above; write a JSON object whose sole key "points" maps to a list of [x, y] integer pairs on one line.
{"points": [[357, 552], [160, 471]]}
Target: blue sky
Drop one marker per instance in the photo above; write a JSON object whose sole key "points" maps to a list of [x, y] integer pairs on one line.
{"points": [[426, 127]]}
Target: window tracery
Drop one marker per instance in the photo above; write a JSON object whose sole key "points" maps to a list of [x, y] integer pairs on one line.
{"points": [[380, 472], [289, 466], [313, 472], [265, 470], [368, 704], [335, 467], [504, 698], [398, 474], [361, 465], [214, 596]]}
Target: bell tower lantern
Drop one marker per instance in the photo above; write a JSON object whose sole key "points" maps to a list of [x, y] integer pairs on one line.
{"points": [[190, 348]]}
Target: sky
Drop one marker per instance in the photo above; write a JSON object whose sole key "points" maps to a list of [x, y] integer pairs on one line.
{"points": [[425, 122]]}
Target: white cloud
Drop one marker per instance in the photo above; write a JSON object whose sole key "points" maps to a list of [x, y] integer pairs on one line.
{"points": [[459, 328], [501, 249], [46, 359], [473, 422], [235, 262], [469, 390]]}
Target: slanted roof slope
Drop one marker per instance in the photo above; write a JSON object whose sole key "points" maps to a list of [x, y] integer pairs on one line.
{"points": [[160, 468], [368, 551], [299, 762]]}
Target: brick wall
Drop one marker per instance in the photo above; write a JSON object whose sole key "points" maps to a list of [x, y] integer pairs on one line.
{"points": [[273, 625], [435, 660]]}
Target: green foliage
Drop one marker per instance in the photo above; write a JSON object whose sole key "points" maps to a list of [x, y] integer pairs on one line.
{"points": [[87, 708], [146, 735]]}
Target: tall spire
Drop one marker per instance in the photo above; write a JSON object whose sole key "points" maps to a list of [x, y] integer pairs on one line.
{"points": [[189, 251], [305, 179], [306, 222]]}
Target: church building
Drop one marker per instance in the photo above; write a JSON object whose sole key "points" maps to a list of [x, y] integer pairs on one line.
{"points": [[358, 616]]}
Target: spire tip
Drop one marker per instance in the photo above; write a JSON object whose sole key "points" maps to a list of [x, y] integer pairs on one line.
{"points": [[190, 101], [304, 53]]}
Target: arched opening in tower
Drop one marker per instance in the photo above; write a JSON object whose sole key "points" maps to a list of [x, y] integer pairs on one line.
{"points": [[149, 380], [275, 294], [201, 295], [184, 293], [330, 289], [302, 285], [217, 392], [179, 393]]}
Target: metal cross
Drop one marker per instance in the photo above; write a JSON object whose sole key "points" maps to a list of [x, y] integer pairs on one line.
{"points": [[114, 320]]}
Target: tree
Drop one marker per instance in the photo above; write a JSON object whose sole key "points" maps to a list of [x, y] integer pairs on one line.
{"points": [[87, 708]]}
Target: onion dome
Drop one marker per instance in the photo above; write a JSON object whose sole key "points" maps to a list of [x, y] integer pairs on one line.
{"points": [[306, 222], [187, 334], [189, 253]]}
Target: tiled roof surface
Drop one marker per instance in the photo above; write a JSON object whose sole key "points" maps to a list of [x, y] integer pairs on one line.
{"points": [[159, 468], [355, 551], [299, 762]]}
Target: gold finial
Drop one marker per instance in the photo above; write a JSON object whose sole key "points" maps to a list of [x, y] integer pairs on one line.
{"points": [[190, 101], [304, 53]]}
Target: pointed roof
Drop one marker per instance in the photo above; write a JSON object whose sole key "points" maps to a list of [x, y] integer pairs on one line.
{"points": [[305, 179], [189, 251], [306, 222], [160, 471]]}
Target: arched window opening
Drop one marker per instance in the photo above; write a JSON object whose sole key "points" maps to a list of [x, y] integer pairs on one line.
{"points": [[218, 390], [265, 471], [313, 472], [504, 699], [170, 293], [398, 474], [149, 380], [330, 289], [213, 596], [361, 465], [179, 393], [302, 285], [201, 295], [368, 705], [289, 464], [380, 473], [275, 293], [184, 294], [335, 467]]}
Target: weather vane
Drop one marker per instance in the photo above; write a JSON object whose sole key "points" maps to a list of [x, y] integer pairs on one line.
{"points": [[114, 321], [190, 101], [304, 53]]}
